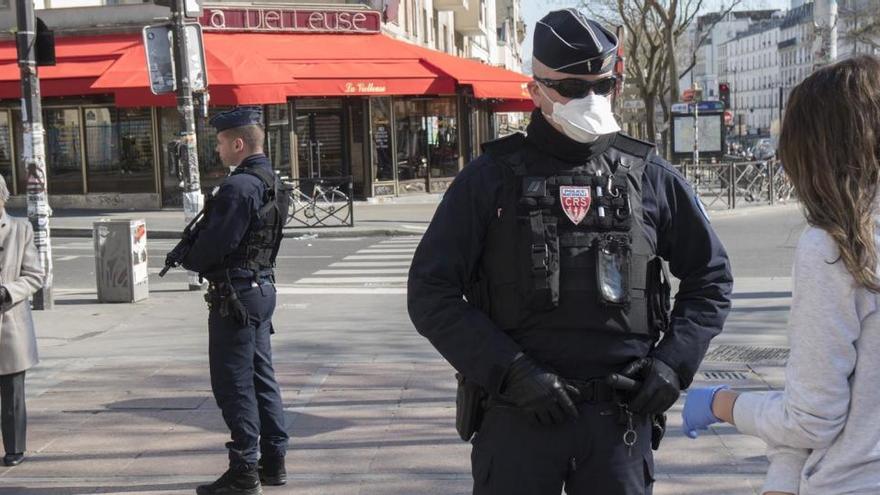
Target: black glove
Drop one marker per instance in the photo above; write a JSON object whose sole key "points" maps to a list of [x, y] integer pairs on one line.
{"points": [[544, 396], [4, 295], [660, 386]]}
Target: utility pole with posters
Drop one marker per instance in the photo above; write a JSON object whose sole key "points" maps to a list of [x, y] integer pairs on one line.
{"points": [[33, 145], [192, 192], [825, 16], [176, 63]]}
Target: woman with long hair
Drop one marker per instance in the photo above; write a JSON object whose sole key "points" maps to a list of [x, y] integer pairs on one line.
{"points": [[822, 432]]}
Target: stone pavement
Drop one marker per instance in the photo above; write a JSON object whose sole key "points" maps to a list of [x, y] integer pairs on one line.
{"points": [[121, 402]]}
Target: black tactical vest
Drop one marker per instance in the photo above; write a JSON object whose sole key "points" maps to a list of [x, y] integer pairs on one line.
{"points": [[567, 249], [259, 247]]}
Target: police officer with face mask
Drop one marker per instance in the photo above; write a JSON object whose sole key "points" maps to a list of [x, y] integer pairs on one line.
{"points": [[541, 280], [235, 248]]}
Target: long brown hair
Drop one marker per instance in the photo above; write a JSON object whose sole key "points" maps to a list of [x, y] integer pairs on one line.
{"points": [[830, 149]]}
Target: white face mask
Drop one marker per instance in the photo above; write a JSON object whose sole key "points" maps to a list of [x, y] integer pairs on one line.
{"points": [[583, 119]]}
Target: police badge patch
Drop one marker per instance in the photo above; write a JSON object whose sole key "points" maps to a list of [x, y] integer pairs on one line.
{"points": [[575, 202]]}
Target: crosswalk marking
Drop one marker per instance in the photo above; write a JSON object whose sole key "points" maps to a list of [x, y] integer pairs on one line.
{"points": [[378, 269], [71, 257], [362, 272], [378, 257], [351, 280], [368, 264], [386, 251], [340, 290]]}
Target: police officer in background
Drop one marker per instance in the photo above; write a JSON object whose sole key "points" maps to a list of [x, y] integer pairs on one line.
{"points": [[235, 248], [556, 240]]}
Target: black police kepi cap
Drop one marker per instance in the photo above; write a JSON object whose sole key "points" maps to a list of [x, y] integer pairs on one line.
{"points": [[237, 117], [566, 41]]}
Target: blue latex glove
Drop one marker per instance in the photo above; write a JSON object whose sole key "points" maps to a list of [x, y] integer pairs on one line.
{"points": [[697, 413]]}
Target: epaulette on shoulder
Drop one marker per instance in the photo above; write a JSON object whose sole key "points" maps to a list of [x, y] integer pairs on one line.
{"points": [[632, 146], [504, 146]]}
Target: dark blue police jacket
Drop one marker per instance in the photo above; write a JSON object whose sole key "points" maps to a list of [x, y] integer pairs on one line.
{"points": [[232, 210], [450, 252]]}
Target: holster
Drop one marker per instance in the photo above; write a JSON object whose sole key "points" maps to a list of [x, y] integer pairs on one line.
{"points": [[469, 407], [658, 430], [224, 298]]}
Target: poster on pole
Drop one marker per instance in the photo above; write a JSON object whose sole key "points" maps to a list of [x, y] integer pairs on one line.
{"points": [[711, 130], [195, 52]]}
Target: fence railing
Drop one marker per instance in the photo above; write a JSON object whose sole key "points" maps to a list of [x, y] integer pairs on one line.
{"points": [[727, 185], [320, 202]]}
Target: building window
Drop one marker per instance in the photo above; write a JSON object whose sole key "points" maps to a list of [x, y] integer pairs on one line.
{"points": [[442, 130], [381, 125], [7, 153], [211, 169], [119, 150], [4, 4], [63, 151], [412, 146], [278, 137]]}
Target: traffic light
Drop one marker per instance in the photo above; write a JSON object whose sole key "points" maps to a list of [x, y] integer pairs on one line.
{"points": [[45, 45], [724, 94]]}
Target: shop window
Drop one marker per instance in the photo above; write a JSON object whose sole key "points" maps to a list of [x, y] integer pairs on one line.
{"points": [[357, 144], [7, 153], [381, 115], [119, 150], [211, 170], [63, 151], [412, 149], [442, 132], [278, 137]]}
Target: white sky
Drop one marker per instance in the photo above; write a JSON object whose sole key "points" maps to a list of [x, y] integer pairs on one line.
{"points": [[533, 10]]}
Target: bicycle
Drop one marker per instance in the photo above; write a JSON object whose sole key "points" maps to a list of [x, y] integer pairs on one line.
{"points": [[320, 201]]}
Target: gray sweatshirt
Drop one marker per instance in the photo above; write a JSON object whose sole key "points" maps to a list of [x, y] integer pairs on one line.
{"points": [[823, 430]]}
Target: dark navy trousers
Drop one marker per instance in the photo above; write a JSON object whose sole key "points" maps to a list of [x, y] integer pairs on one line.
{"points": [[587, 456], [243, 379]]}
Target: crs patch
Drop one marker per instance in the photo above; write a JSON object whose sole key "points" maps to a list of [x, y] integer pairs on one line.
{"points": [[575, 201]]}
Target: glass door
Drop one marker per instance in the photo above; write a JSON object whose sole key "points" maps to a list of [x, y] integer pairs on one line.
{"points": [[320, 144]]}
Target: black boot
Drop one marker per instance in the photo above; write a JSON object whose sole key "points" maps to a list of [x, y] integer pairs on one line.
{"points": [[242, 480], [272, 471], [13, 459]]}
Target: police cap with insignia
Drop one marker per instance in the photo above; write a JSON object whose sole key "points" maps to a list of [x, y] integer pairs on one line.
{"points": [[566, 41], [237, 117]]}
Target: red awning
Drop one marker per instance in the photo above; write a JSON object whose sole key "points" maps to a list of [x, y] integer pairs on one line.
{"points": [[254, 68], [80, 61], [486, 80], [234, 77]]}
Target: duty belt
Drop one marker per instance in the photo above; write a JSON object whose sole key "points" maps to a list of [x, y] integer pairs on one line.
{"points": [[592, 391]]}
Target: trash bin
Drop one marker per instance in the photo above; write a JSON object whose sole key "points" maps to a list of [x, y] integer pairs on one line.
{"points": [[121, 260]]}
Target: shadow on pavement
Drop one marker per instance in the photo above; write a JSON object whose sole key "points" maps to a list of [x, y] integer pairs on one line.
{"points": [[82, 490]]}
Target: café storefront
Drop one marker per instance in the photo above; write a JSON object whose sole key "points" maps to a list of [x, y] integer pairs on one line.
{"points": [[339, 99]]}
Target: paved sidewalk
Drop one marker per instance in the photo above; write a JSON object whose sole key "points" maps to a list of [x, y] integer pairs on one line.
{"points": [[121, 402]]}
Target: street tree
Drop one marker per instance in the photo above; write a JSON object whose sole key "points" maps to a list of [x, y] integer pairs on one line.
{"points": [[859, 24], [654, 29]]}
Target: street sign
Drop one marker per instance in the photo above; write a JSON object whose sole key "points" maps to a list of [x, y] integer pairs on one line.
{"points": [[160, 62], [702, 107], [191, 8], [160, 59], [198, 73]]}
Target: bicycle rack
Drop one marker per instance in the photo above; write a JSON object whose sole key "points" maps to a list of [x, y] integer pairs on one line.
{"points": [[321, 202], [754, 183]]}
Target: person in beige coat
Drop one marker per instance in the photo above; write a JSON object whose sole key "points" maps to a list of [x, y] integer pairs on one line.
{"points": [[21, 275]]}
